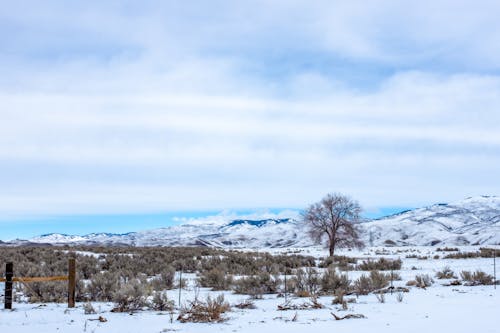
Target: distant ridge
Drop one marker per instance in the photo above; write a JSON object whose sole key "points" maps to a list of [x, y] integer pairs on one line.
{"points": [[473, 221]]}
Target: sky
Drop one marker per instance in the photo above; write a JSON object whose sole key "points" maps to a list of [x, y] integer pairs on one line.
{"points": [[123, 115]]}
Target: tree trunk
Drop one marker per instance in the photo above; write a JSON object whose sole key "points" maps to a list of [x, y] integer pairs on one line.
{"points": [[331, 248]]}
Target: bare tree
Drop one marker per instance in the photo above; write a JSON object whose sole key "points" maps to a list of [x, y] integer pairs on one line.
{"points": [[334, 218]]}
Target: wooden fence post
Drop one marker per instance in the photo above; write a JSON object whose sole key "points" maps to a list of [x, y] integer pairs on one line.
{"points": [[495, 267], [180, 287], [9, 273], [71, 282]]}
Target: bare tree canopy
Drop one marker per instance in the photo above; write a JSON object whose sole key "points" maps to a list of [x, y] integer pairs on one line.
{"points": [[334, 219]]}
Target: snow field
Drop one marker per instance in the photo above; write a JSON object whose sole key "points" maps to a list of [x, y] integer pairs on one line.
{"points": [[436, 309]]}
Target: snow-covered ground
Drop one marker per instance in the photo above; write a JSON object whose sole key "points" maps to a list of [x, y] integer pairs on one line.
{"points": [[436, 309]]}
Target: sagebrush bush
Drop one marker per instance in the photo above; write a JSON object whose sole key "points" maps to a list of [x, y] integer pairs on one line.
{"points": [[207, 311], [379, 280], [103, 286], [380, 297], [129, 297], [41, 292], [165, 280], [343, 263], [332, 282], [366, 284], [305, 283], [88, 309], [446, 273], [161, 302], [447, 249], [216, 279], [477, 278], [246, 304], [484, 252], [381, 264], [257, 285], [423, 280]]}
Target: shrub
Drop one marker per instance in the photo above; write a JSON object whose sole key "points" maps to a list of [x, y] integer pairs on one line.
{"points": [[306, 282], [447, 249], [380, 297], [477, 278], [363, 285], [446, 273], [366, 284], [257, 285], [339, 299], [103, 286], [423, 281], [88, 309], [382, 264], [343, 263], [483, 253], [130, 297], [44, 292], [215, 279], [379, 280], [247, 304], [161, 302], [411, 283], [331, 281], [208, 311], [165, 280]]}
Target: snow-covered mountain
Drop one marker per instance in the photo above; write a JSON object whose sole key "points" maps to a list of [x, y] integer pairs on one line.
{"points": [[265, 233], [473, 221]]}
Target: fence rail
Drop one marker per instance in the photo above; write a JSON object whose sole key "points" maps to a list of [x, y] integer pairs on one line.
{"points": [[37, 279]]}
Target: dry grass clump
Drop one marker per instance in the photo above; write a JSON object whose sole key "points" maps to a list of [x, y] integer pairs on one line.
{"points": [[208, 311]]}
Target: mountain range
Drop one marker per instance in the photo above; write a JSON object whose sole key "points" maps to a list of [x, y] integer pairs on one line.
{"points": [[473, 221]]}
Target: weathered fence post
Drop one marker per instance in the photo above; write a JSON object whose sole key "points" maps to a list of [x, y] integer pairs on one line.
{"points": [[9, 273], [286, 291], [71, 282], [495, 267], [180, 287]]}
